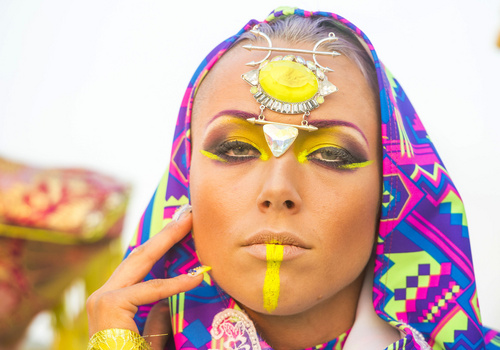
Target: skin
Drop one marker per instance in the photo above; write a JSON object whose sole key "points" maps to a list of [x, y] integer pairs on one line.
{"points": [[333, 211]]}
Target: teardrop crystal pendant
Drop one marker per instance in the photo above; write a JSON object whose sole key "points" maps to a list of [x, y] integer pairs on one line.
{"points": [[279, 137]]}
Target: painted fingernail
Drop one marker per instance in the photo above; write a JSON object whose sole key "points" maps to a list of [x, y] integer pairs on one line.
{"points": [[181, 212], [198, 270]]}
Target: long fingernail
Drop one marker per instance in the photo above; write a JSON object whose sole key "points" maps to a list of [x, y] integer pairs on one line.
{"points": [[181, 212], [198, 270]]}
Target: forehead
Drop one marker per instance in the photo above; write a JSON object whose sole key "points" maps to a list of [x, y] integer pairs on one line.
{"points": [[224, 89]]}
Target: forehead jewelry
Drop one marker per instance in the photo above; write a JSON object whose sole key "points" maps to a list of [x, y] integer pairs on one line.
{"points": [[290, 85]]}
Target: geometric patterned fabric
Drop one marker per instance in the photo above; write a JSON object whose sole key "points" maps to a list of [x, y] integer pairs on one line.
{"points": [[423, 274]]}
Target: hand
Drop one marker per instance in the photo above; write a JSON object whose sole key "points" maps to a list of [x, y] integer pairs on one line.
{"points": [[115, 303]]}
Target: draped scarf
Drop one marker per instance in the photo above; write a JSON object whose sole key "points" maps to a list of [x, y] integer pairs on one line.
{"points": [[423, 280]]}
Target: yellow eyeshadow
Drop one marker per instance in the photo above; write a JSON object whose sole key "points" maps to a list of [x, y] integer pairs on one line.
{"points": [[249, 136], [271, 289], [302, 156], [213, 156], [263, 154], [244, 132]]}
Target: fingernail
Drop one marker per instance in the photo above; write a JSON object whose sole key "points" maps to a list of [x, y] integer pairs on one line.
{"points": [[181, 212], [198, 270]]}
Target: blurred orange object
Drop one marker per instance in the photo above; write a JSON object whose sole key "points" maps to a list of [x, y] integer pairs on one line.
{"points": [[65, 206], [53, 223]]}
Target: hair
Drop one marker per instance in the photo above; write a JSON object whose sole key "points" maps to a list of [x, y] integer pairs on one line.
{"points": [[296, 29]]}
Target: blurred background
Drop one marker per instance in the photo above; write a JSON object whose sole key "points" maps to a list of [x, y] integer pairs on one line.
{"points": [[97, 85]]}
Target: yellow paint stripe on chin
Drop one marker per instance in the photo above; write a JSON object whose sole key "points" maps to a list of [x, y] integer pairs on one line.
{"points": [[271, 290]]}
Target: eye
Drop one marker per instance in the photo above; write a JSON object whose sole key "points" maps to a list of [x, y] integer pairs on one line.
{"points": [[236, 151], [334, 157]]}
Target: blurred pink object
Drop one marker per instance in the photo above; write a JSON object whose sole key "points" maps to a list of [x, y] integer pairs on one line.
{"points": [[53, 222]]}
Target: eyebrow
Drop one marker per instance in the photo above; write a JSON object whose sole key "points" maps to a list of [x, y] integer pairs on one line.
{"points": [[330, 123], [317, 123], [234, 113]]}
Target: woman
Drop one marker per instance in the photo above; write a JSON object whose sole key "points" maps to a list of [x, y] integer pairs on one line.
{"points": [[326, 215]]}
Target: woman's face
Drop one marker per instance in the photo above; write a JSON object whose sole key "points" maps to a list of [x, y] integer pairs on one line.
{"points": [[320, 199]]}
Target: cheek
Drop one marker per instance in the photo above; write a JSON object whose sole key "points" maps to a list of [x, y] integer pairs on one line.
{"points": [[218, 197], [208, 208], [221, 201], [348, 216]]}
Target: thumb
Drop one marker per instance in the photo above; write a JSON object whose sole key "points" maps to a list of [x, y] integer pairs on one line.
{"points": [[158, 325]]}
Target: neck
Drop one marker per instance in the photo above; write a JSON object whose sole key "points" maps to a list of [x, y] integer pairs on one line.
{"points": [[317, 325]]}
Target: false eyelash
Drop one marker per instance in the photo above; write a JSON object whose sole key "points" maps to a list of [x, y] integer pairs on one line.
{"points": [[344, 158], [222, 149]]}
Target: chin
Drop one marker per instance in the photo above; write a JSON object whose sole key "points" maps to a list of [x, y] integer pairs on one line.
{"points": [[289, 302], [288, 307]]}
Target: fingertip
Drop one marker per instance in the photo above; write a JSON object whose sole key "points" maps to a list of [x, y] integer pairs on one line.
{"points": [[196, 279], [200, 270], [182, 212], [182, 225]]}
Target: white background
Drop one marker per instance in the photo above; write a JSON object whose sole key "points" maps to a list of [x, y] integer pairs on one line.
{"points": [[97, 84]]}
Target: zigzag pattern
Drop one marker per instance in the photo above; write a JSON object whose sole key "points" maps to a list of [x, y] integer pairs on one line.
{"points": [[423, 270]]}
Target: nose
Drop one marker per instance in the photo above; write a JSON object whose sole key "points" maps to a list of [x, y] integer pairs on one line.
{"points": [[280, 185]]}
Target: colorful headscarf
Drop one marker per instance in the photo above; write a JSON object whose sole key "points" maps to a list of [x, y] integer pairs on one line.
{"points": [[423, 274]]}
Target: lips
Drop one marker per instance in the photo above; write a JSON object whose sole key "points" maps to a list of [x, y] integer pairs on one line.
{"points": [[293, 246]]}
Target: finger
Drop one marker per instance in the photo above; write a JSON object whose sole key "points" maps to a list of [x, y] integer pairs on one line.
{"points": [[116, 308], [157, 289], [158, 327], [138, 264]]}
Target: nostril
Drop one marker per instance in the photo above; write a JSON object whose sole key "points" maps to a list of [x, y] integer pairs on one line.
{"points": [[289, 204], [267, 204]]}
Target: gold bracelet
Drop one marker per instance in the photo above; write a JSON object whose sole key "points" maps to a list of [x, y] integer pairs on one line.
{"points": [[117, 339]]}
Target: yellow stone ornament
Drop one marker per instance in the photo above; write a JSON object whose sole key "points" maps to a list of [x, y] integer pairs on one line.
{"points": [[288, 81], [287, 84]]}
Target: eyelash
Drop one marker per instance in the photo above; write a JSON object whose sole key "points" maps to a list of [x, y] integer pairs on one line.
{"points": [[342, 160], [222, 150]]}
